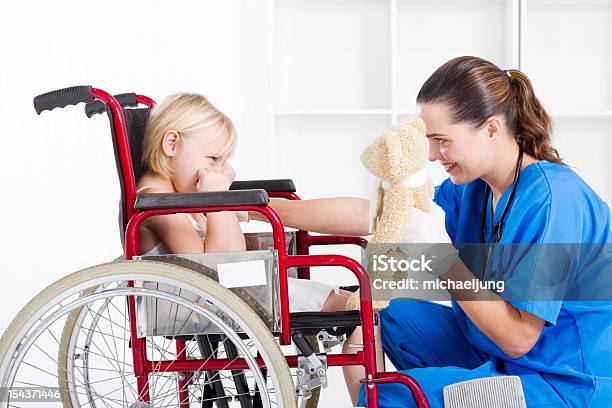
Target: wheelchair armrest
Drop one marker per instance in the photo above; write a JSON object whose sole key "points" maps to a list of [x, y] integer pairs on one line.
{"points": [[151, 201], [278, 186]]}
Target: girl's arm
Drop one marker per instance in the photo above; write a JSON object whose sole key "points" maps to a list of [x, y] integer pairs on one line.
{"points": [[338, 215], [223, 233], [176, 232]]}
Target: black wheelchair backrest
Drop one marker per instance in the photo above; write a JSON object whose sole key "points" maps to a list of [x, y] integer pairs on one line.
{"points": [[135, 122]]}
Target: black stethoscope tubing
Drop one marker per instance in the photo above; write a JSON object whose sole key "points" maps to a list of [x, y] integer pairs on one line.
{"points": [[498, 228]]}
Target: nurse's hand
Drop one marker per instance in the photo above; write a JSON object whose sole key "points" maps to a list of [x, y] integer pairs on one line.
{"points": [[443, 257], [427, 227], [428, 234]]}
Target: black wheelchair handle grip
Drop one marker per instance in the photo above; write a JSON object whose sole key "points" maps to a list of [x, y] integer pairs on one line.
{"points": [[124, 99], [62, 97]]}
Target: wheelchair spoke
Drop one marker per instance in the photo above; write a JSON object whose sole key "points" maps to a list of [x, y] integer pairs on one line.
{"points": [[104, 336], [84, 345], [123, 380]]}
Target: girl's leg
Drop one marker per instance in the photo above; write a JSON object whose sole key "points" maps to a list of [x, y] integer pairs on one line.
{"points": [[336, 302], [352, 374]]}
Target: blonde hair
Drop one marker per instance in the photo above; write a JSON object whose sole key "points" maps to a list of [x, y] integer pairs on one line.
{"points": [[184, 113]]}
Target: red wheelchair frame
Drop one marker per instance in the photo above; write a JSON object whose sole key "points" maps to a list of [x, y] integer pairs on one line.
{"points": [[303, 261]]}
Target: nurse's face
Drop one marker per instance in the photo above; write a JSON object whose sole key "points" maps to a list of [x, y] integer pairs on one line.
{"points": [[463, 150]]}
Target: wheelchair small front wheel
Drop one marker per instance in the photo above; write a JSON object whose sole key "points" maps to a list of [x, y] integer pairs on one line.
{"points": [[29, 348]]}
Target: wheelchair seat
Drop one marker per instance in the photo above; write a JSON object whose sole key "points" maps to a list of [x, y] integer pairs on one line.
{"points": [[335, 323]]}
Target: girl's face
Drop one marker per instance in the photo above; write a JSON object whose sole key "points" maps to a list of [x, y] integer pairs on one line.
{"points": [[194, 151], [465, 152]]}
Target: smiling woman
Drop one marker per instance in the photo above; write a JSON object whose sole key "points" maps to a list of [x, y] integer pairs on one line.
{"points": [[491, 134]]}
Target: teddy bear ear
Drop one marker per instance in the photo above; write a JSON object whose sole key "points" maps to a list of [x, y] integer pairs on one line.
{"points": [[367, 157], [393, 144]]}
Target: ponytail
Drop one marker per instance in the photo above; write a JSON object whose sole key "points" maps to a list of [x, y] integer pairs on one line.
{"points": [[532, 125], [476, 89]]}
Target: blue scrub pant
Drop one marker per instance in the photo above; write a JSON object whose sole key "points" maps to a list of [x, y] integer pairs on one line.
{"points": [[423, 340]]}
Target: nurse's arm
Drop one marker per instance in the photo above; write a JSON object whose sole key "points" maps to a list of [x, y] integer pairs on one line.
{"points": [[513, 330], [338, 215]]}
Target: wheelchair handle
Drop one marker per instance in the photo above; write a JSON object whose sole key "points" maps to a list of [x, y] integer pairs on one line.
{"points": [[63, 97], [124, 99]]}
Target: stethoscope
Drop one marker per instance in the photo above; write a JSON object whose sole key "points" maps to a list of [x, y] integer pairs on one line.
{"points": [[498, 228]]}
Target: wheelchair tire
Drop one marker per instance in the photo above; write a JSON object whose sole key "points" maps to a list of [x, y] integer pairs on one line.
{"points": [[75, 316], [36, 318]]}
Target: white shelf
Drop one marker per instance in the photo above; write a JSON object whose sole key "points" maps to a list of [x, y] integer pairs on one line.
{"points": [[570, 2], [333, 112], [582, 114], [332, 54], [403, 112], [429, 33], [585, 143], [569, 53], [321, 153]]}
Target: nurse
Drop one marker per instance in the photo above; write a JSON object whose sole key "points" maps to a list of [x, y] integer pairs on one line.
{"points": [[507, 185]]}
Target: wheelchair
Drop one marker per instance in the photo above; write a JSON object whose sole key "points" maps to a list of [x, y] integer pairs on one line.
{"points": [[162, 331]]}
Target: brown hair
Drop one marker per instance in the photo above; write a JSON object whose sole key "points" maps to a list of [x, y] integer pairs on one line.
{"points": [[476, 89]]}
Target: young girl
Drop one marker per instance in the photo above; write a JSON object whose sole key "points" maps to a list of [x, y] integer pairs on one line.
{"points": [[186, 146]]}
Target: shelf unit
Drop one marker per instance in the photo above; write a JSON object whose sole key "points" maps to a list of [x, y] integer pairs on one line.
{"points": [[336, 73], [340, 72], [568, 56]]}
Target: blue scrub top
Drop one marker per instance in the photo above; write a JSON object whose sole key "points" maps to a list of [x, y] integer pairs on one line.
{"points": [[552, 204]]}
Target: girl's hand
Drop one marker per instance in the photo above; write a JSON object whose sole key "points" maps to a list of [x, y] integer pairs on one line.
{"points": [[211, 179]]}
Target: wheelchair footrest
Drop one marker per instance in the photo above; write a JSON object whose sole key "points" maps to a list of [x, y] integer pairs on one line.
{"points": [[335, 323], [502, 391]]}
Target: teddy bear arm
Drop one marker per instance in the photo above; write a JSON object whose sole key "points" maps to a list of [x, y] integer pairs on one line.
{"points": [[423, 196], [398, 207]]}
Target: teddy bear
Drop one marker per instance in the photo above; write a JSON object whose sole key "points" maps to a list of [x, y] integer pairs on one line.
{"points": [[405, 211]]}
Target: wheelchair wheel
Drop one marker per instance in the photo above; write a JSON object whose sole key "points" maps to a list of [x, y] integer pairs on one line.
{"points": [[98, 371]]}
